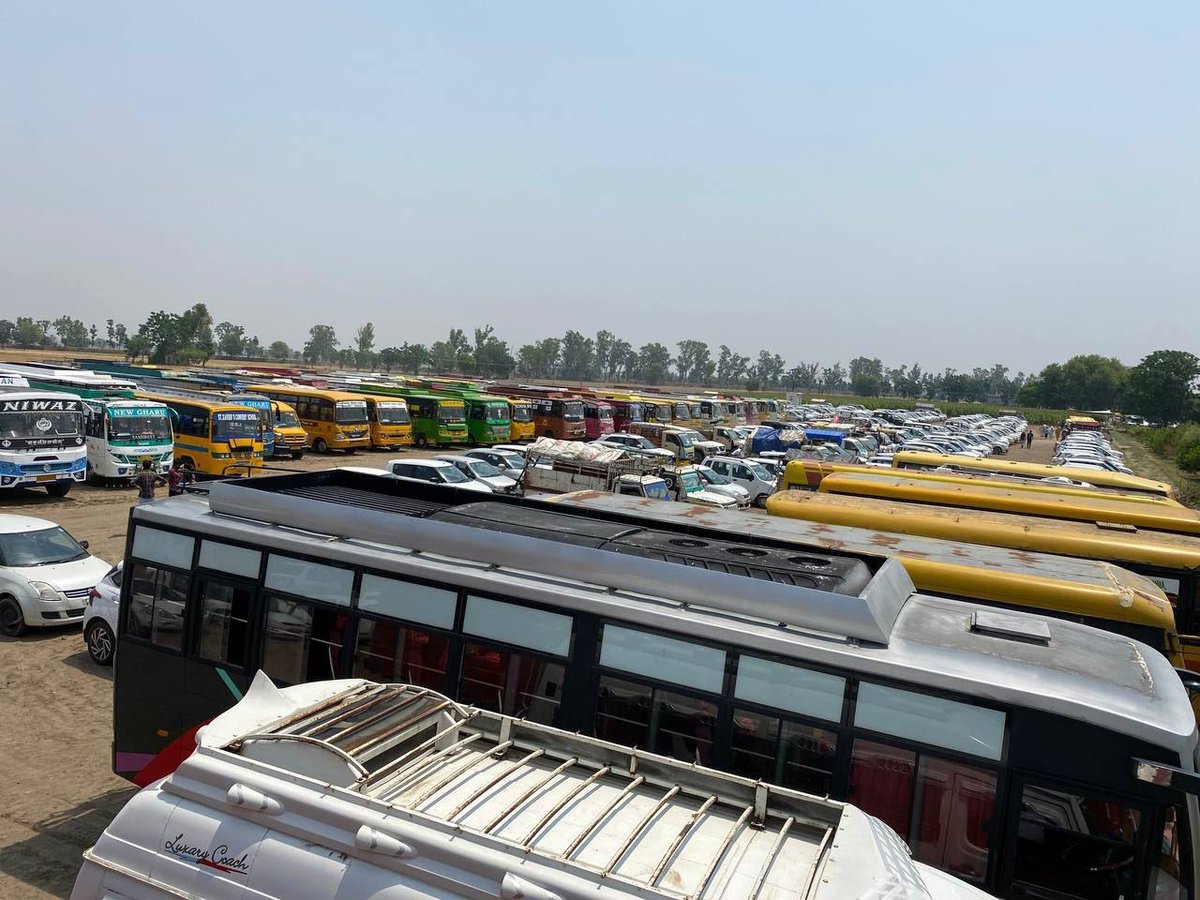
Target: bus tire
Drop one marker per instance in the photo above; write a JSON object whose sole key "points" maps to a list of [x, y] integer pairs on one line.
{"points": [[101, 642], [350, 451], [59, 488], [320, 446], [12, 620], [420, 440], [297, 454], [548, 433]]}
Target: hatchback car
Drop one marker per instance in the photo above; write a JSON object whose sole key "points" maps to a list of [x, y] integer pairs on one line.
{"points": [[45, 575], [434, 471], [100, 620], [483, 472], [509, 463]]}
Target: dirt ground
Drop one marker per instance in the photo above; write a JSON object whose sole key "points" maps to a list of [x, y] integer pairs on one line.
{"points": [[56, 722], [58, 792]]}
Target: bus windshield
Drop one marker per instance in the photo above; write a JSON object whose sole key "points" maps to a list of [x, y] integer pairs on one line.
{"points": [[287, 418], [392, 413], [351, 412], [451, 414], [46, 547], [497, 412], [573, 411], [230, 425], [35, 425], [138, 426], [605, 412], [522, 413]]}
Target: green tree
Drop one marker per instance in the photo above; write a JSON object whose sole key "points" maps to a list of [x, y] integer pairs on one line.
{"points": [[578, 356], [231, 340], [866, 377], [492, 359], [364, 339], [321, 344], [71, 332], [196, 332], [622, 359], [604, 348], [412, 357], [279, 350], [833, 378], [93, 331], [120, 336], [136, 346], [28, 332], [654, 363], [1162, 386], [8, 332], [694, 362]]}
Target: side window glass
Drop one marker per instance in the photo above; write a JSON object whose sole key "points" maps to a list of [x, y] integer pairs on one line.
{"points": [[303, 642], [224, 611], [157, 605]]}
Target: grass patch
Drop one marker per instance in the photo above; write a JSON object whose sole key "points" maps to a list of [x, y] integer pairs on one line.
{"points": [[1145, 463]]}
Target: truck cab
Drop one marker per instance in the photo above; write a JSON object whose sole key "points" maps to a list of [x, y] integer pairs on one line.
{"points": [[687, 486], [649, 486]]}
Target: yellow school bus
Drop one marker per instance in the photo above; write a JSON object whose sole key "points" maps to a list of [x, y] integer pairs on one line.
{"points": [[520, 419], [1082, 590], [214, 437], [1172, 561], [333, 420], [807, 474], [290, 437], [1161, 516], [388, 419], [911, 459]]}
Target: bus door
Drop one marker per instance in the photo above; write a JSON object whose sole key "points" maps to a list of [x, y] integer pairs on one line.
{"points": [[219, 666], [1071, 842]]}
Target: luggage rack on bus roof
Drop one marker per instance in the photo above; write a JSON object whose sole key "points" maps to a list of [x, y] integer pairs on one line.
{"points": [[838, 594], [662, 826]]}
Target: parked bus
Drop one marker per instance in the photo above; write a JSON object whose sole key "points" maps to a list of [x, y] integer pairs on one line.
{"points": [[627, 409], [487, 416], [1154, 516], [212, 436], [807, 474], [333, 420], [42, 440], [520, 420], [266, 411], [436, 419], [598, 418], [556, 414], [290, 437], [395, 791], [910, 459], [121, 434], [1031, 756], [390, 422], [1081, 590], [1172, 561]]}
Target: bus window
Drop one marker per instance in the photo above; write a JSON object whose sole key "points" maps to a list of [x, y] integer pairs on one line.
{"points": [[1072, 845], [390, 652], [224, 610], [666, 722], [782, 752], [157, 604], [1168, 874], [516, 684], [303, 641]]}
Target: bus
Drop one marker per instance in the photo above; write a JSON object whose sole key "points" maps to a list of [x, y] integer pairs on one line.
{"points": [[556, 414], [391, 425], [1172, 561], [1030, 756], [42, 438], [266, 411], [627, 408], [1081, 423], [333, 420], [290, 437], [598, 417], [911, 459], [890, 485], [213, 436], [807, 474], [121, 434], [1082, 590], [487, 415], [437, 419], [520, 420], [417, 803]]}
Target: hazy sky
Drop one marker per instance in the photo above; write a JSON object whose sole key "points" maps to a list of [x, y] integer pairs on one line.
{"points": [[954, 183]]}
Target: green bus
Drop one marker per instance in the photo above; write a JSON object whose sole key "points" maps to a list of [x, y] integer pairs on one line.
{"points": [[487, 415], [436, 418]]}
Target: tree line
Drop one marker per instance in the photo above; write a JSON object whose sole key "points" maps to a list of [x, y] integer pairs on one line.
{"points": [[1161, 387]]}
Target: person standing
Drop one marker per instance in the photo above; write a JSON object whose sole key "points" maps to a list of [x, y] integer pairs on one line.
{"points": [[146, 481], [178, 478]]}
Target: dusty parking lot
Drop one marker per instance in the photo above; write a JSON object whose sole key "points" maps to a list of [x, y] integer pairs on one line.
{"points": [[58, 792]]}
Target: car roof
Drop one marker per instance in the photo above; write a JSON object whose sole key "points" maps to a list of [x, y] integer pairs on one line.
{"points": [[436, 463], [10, 524], [455, 457]]}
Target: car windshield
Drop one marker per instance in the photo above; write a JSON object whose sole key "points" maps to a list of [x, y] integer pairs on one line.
{"points": [[484, 469], [38, 424], [351, 412], [687, 438], [227, 425], [713, 477], [691, 482], [392, 414], [522, 413], [451, 414], [287, 419], [657, 490], [760, 472], [573, 411], [451, 475], [139, 426], [644, 443], [513, 461], [44, 547]]}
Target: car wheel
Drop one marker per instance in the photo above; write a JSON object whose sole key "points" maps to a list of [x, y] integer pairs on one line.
{"points": [[101, 642], [320, 446], [12, 620], [761, 501]]}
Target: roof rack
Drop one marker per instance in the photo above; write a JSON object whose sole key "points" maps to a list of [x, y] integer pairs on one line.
{"points": [[390, 512], [664, 827]]}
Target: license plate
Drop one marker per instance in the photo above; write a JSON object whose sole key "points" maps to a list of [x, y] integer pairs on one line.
{"points": [[42, 478]]}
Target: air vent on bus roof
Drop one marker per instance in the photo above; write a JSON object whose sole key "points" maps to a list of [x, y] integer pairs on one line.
{"points": [[1014, 628]]}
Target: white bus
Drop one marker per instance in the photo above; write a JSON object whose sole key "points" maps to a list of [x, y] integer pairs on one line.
{"points": [[123, 433], [353, 789], [1034, 757], [41, 438]]}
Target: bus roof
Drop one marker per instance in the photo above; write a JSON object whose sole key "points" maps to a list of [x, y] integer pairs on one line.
{"points": [[1122, 544], [893, 485], [423, 793], [906, 458], [303, 390], [887, 630], [969, 571], [212, 404]]}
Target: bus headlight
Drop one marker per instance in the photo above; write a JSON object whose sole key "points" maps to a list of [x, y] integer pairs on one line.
{"points": [[45, 592]]}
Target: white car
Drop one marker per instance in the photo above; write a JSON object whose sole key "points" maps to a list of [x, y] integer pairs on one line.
{"points": [[758, 482], [509, 463], [100, 621], [45, 575], [637, 446], [717, 483], [483, 472], [434, 471]]}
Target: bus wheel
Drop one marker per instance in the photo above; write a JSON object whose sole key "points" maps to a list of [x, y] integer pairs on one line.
{"points": [[100, 642], [548, 433], [420, 440], [350, 451], [12, 620], [59, 488], [297, 454], [320, 446]]}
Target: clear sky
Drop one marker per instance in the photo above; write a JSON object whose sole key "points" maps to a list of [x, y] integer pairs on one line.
{"points": [[954, 183]]}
